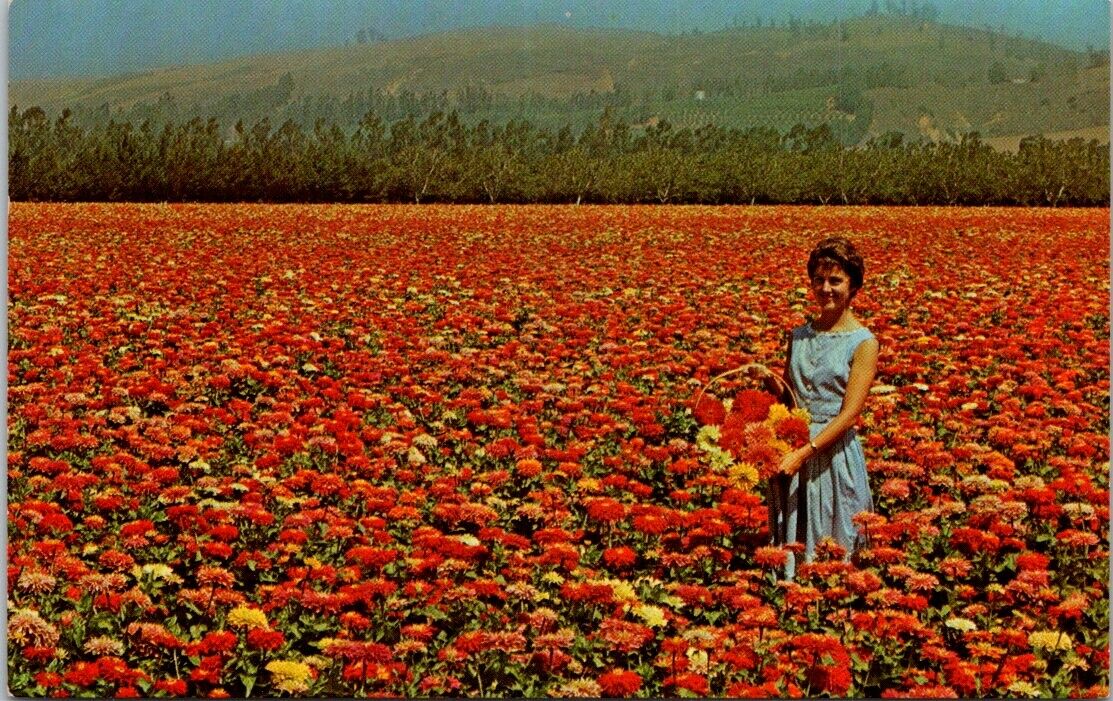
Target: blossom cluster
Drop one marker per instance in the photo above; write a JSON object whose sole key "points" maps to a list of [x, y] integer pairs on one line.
{"points": [[360, 451], [749, 434]]}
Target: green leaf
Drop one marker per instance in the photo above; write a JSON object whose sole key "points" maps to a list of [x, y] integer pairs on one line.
{"points": [[248, 683], [433, 612]]}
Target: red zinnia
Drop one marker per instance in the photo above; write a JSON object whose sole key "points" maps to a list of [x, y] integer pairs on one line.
{"points": [[770, 556], [263, 639], [82, 673], [753, 405], [606, 509], [709, 411], [619, 683], [1032, 561], [48, 680], [732, 434], [793, 431], [528, 467], [690, 681], [620, 558], [832, 679], [219, 641]]}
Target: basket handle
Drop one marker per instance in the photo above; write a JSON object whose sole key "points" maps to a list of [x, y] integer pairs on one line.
{"points": [[785, 386]]}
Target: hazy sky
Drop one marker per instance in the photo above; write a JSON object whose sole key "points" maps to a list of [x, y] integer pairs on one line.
{"points": [[81, 37]]}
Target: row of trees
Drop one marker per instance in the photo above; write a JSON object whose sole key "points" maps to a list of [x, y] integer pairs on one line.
{"points": [[440, 159], [471, 102]]}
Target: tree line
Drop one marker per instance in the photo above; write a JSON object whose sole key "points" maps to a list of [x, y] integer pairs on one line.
{"points": [[439, 158]]}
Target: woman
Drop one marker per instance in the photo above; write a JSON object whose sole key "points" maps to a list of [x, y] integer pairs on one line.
{"points": [[831, 362]]}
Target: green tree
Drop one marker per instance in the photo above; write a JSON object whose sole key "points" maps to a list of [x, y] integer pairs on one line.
{"points": [[129, 160], [70, 171], [32, 155], [329, 164], [499, 157], [370, 170], [573, 174], [1051, 173], [660, 168], [188, 155], [422, 154], [963, 172], [284, 163], [576, 170]]}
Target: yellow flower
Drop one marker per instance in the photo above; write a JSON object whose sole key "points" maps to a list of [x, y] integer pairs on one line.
{"points": [[743, 474], [622, 590], [1078, 510], [577, 689], [103, 645], [36, 581], [802, 414], [290, 676], [778, 413], [780, 446], [708, 435], [1028, 482], [288, 668], [1022, 688], [588, 484], [653, 616], [961, 624], [156, 570], [1049, 640], [247, 617], [697, 658]]}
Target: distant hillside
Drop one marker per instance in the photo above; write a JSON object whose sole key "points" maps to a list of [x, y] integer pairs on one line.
{"points": [[864, 77]]}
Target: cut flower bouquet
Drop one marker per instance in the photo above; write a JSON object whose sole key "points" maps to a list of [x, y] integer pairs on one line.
{"points": [[745, 436]]}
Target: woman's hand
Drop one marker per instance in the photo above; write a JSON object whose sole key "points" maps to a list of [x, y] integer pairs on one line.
{"points": [[792, 462], [767, 378], [757, 372]]}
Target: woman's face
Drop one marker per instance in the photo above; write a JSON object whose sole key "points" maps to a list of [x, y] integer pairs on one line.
{"points": [[831, 288]]}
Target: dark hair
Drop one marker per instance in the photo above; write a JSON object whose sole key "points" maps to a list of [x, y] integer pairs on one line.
{"points": [[840, 251]]}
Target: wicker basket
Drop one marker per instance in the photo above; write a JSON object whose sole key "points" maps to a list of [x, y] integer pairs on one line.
{"points": [[786, 388]]}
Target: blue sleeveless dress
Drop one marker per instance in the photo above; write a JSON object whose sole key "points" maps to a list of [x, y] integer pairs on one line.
{"points": [[831, 487]]}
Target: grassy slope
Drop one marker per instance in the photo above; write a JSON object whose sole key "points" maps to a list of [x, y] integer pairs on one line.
{"points": [[938, 75]]}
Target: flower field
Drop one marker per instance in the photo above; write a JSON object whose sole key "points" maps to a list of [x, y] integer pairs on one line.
{"points": [[449, 450]]}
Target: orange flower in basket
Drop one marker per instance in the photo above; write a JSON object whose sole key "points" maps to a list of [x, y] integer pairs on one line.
{"points": [[709, 411], [754, 435], [760, 449], [753, 405], [793, 431], [732, 435]]}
